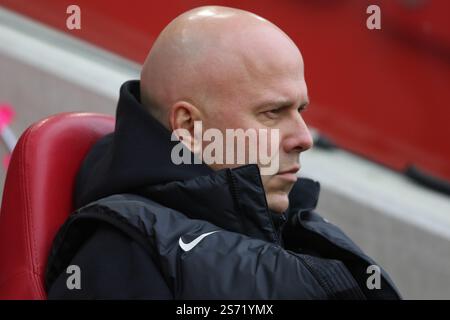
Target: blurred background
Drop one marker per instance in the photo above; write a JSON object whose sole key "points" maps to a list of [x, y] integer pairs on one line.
{"points": [[379, 105]]}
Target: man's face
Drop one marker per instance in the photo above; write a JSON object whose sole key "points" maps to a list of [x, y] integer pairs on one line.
{"points": [[267, 92]]}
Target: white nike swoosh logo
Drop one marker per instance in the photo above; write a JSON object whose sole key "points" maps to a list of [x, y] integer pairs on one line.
{"points": [[188, 246]]}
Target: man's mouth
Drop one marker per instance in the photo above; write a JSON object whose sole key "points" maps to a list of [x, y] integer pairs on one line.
{"points": [[289, 174]]}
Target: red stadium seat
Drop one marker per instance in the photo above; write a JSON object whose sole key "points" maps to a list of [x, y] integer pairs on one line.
{"points": [[37, 196]]}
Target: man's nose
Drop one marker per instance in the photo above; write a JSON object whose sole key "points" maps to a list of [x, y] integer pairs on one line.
{"points": [[297, 137]]}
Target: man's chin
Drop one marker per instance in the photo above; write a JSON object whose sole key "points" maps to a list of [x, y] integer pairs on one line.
{"points": [[278, 202]]}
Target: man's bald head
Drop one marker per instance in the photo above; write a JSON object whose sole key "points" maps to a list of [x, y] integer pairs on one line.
{"points": [[231, 69], [201, 54]]}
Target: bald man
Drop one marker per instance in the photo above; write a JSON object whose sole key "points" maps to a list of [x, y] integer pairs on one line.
{"points": [[150, 226]]}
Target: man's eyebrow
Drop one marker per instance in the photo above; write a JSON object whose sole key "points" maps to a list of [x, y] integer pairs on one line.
{"points": [[282, 103]]}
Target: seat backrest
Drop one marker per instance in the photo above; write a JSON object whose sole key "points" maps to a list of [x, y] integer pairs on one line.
{"points": [[37, 196]]}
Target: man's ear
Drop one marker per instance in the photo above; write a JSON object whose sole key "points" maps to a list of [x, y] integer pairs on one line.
{"points": [[182, 117]]}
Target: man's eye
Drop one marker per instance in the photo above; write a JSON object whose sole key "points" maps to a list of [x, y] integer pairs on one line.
{"points": [[302, 108], [273, 113]]}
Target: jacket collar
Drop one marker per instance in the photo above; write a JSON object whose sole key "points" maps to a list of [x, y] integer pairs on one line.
{"points": [[126, 162]]}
